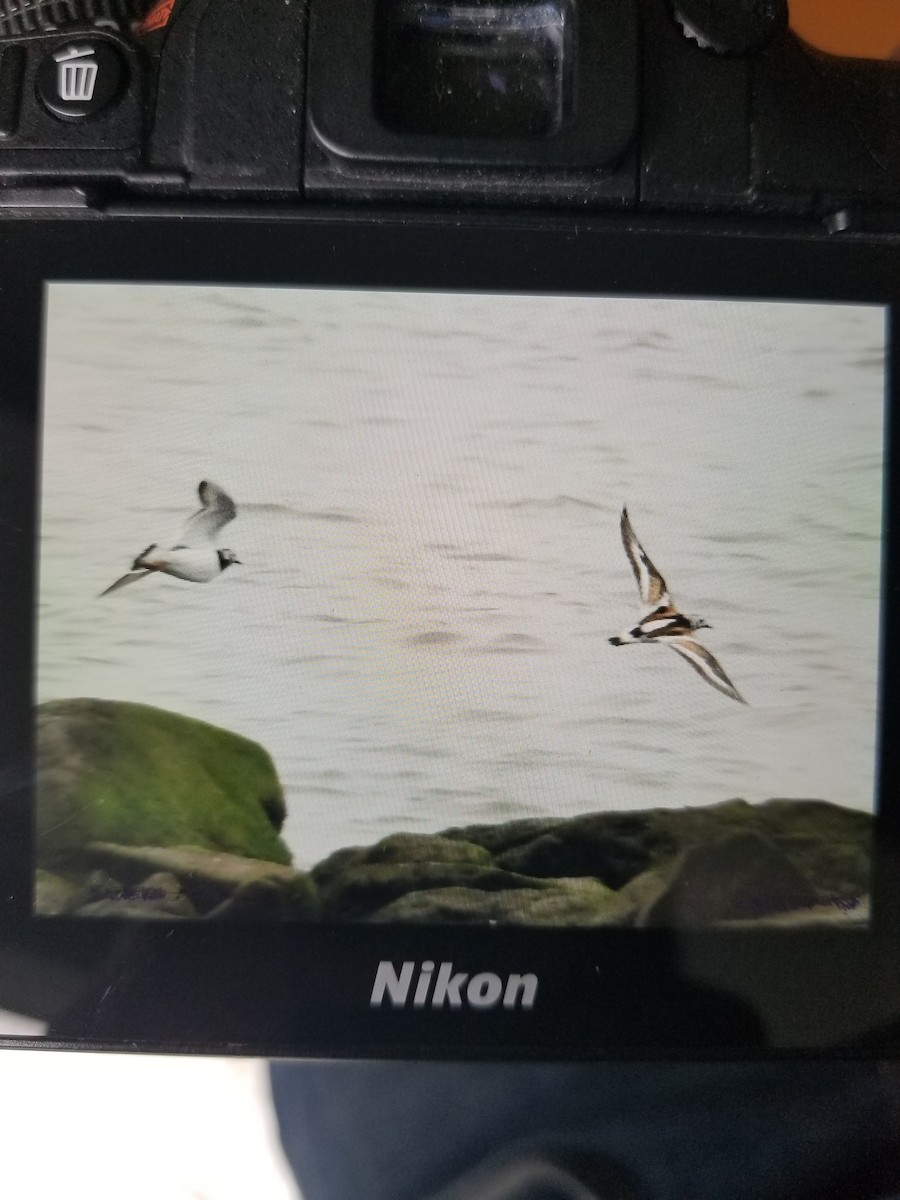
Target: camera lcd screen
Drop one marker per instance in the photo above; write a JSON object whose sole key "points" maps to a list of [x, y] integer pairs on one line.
{"points": [[431, 608]]}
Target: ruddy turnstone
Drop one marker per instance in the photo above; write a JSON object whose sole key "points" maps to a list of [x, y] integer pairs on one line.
{"points": [[192, 556], [662, 622]]}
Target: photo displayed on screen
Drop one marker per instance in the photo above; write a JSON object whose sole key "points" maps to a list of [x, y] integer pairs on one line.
{"points": [[457, 608]]}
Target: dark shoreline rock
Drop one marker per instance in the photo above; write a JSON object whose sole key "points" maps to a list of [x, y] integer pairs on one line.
{"points": [[708, 867], [741, 877], [668, 868], [145, 813], [560, 902], [829, 844]]}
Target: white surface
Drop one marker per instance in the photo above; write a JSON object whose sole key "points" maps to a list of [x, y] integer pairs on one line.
{"points": [[142, 1127], [15, 1025]]}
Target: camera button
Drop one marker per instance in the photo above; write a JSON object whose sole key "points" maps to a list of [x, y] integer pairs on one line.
{"points": [[80, 78]]}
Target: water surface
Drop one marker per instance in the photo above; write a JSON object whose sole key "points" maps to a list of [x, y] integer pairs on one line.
{"points": [[429, 490]]}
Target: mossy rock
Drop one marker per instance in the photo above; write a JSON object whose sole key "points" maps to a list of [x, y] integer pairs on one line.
{"points": [[740, 877], [363, 889], [400, 848], [109, 771], [415, 847], [159, 895], [507, 835], [210, 878], [611, 850], [848, 914], [828, 844], [689, 866], [831, 845], [566, 902], [635, 898], [55, 896], [611, 847], [134, 909], [270, 900]]}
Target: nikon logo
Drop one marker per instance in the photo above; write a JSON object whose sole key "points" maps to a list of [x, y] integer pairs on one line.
{"points": [[449, 989]]}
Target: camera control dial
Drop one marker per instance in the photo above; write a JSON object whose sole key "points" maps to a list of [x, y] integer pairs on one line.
{"points": [[731, 26]]}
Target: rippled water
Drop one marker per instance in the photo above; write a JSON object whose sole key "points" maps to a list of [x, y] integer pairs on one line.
{"points": [[429, 491]]}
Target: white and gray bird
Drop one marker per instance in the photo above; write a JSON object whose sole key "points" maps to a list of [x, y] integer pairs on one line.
{"points": [[662, 622], [193, 554]]}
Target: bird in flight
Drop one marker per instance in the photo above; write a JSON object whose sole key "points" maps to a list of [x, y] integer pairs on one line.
{"points": [[663, 623], [193, 555]]}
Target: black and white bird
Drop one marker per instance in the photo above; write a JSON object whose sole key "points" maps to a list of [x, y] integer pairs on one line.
{"points": [[663, 623], [193, 554]]}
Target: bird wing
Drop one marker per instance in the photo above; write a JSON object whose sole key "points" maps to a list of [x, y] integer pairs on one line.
{"points": [[218, 509], [131, 577], [651, 584], [705, 664]]}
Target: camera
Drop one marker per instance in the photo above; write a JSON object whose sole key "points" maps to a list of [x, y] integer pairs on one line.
{"points": [[448, 529]]}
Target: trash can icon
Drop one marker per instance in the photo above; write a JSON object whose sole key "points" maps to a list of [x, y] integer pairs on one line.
{"points": [[76, 73]]}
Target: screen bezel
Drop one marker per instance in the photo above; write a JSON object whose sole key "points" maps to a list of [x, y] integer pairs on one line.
{"points": [[302, 989]]}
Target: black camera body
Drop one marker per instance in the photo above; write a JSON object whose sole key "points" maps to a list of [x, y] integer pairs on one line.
{"points": [[454, 302], [614, 107]]}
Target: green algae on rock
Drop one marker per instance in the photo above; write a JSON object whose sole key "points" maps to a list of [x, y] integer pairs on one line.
{"points": [[110, 771]]}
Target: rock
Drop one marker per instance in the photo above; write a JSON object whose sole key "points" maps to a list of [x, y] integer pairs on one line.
{"points": [[164, 883], [158, 894], [564, 902], [207, 878], [164, 888], [100, 883], [362, 890], [611, 847], [850, 912], [142, 812], [400, 848], [123, 908], [664, 867], [829, 845], [497, 839], [55, 896], [693, 866], [740, 877], [414, 847], [268, 900], [134, 775], [634, 898]]}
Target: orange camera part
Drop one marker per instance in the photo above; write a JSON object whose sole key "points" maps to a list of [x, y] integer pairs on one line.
{"points": [[864, 29]]}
